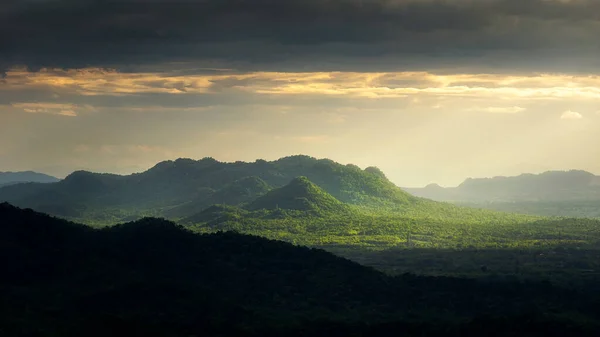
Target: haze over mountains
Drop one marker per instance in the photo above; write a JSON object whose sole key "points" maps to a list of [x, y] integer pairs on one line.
{"points": [[182, 187], [300, 199], [548, 186], [558, 193], [155, 276], [10, 178]]}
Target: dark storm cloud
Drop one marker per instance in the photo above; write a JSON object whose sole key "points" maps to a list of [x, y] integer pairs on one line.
{"points": [[295, 34]]}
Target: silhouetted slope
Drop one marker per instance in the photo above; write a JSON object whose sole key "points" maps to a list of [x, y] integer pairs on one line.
{"points": [[10, 178], [153, 273], [300, 195], [153, 278]]}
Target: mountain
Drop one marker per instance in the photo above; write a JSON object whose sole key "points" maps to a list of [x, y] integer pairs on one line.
{"points": [[299, 195], [547, 186], [183, 187], [154, 278], [554, 193], [10, 178], [236, 193]]}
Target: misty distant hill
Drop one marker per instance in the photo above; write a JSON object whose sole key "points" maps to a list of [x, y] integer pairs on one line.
{"points": [[551, 185], [564, 193], [10, 178]]}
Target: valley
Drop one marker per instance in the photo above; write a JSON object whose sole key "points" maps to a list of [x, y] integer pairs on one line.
{"points": [[355, 213]]}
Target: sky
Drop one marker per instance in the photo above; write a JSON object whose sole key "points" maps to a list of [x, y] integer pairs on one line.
{"points": [[427, 90]]}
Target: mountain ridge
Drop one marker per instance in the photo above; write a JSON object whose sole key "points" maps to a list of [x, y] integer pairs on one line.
{"points": [[11, 178], [549, 185], [168, 186]]}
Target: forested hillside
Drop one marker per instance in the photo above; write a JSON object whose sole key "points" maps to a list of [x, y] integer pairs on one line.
{"points": [[183, 187], [152, 277], [299, 199]]}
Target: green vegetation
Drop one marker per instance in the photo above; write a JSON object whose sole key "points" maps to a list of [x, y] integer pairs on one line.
{"points": [[181, 188], [358, 214], [415, 228], [153, 278], [238, 192], [299, 195]]}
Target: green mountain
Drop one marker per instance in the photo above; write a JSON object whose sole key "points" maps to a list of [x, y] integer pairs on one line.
{"points": [[552, 193], [183, 187], [335, 206], [11, 178], [216, 215], [154, 278], [236, 193], [299, 195]]}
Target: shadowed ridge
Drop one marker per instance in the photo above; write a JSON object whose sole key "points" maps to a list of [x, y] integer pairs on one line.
{"points": [[240, 191], [21, 221], [236, 193]]}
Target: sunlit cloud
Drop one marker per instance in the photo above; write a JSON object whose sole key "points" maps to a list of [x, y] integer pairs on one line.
{"points": [[571, 115], [47, 108], [89, 82]]}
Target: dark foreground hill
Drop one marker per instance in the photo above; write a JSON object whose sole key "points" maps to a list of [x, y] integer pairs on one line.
{"points": [[11, 178], [153, 278]]}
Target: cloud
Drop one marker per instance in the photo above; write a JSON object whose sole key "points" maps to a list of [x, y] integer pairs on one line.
{"points": [[48, 108], [504, 110], [571, 115], [298, 35], [166, 87]]}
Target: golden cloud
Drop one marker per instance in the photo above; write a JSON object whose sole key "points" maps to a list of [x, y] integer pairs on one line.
{"points": [[339, 84], [48, 108]]}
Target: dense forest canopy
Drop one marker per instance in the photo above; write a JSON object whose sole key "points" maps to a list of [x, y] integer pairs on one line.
{"points": [[153, 277]]}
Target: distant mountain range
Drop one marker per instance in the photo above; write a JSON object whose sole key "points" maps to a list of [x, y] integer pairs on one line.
{"points": [[547, 186], [572, 193], [10, 178]]}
